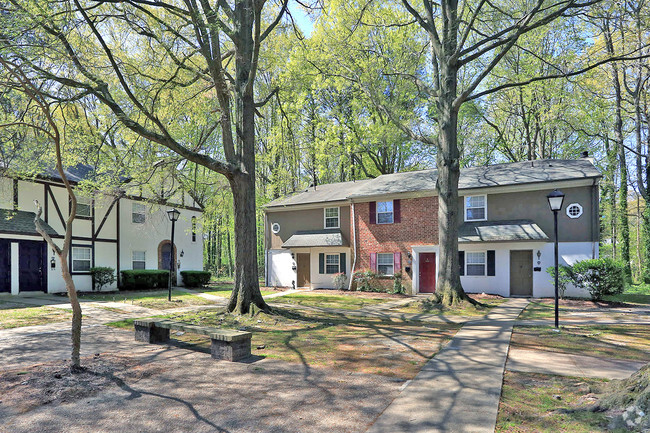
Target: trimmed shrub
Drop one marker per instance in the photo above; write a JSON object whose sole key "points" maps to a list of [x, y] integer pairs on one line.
{"points": [[196, 278], [397, 283], [565, 277], [138, 279], [340, 281], [601, 277], [102, 276]]}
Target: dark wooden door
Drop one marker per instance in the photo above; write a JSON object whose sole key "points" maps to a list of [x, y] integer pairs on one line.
{"points": [[304, 273], [5, 266], [521, 273], [32, 273], [427, 269]]}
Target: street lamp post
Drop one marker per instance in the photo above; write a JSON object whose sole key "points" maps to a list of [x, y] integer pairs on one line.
{"points": [[555, 199], [173, 217]]}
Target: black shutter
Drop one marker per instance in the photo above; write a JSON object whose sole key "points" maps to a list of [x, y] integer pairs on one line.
{"points": [[321, 263], [491, 268], [342, 262], [461, 262], [397, 211]]}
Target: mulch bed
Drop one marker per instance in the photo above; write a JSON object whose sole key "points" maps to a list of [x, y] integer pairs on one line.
{"points": [[24, 389]]}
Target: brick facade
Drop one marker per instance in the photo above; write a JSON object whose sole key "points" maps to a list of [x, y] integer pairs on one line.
{"points": [[418, 226]]}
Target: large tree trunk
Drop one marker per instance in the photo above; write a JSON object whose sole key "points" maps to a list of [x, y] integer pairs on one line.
{"points": [[449, 288]]}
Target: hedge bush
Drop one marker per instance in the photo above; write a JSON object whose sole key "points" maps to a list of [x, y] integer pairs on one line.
{"points": [[600, 277], [369, 281], [102, 276], [138, 279], [565, 277], [196, 278]]}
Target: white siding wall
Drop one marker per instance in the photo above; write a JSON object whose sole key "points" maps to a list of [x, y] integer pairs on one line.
{"points": [[280, 262], [499, 284]]}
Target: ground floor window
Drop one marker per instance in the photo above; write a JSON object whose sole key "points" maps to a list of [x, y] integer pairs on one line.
{"points": [[475, 263], [81, 258], [385, 264], [139, 259], [332, 263]]}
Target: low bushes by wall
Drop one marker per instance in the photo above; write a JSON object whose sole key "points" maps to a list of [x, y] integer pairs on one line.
{"points": [[195, 278], [369, 281], [139, 279]]}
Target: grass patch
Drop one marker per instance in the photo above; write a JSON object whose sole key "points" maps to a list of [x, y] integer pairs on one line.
{"points": [[610, 341], [18, 317], [343, 302], [156, 299], [424, 306], [538, 309], [225, 291], [315, 339], [634, 294], [528, 404]]}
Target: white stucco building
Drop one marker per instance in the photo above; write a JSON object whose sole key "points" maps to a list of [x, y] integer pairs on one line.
{"points": [[116, 230]]}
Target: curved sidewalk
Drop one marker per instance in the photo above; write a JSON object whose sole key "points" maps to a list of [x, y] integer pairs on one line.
{"points": [[459, 389]]}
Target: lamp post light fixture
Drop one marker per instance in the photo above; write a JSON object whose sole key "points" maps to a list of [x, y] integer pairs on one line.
{"points": [[555, 199], [173, 215]]}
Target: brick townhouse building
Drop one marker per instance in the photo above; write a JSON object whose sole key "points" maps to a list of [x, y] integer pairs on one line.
{"points": [[389, 225]]}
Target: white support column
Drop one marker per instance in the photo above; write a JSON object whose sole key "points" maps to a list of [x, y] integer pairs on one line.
{"points": [[14, 268]]}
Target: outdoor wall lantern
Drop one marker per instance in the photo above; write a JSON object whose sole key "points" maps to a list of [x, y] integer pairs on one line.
{"points": [[539, 257], [555, 199], [173, 215], [52, 263], [182, 253]]}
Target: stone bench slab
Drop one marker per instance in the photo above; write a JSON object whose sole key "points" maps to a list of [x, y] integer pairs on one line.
{"points": [[214, 333]]}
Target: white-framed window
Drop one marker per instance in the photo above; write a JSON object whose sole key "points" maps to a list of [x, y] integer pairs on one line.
{"points": [[332, 264], [193, 229], [81, 259], [475, 263], [139, 259], [476, 208], [138, 213], [574, 210], [275, 228], [84, 207], [332, 218], [385, 212], [385, 263]]}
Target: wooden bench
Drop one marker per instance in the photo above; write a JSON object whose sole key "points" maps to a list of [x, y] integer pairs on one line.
{"points": [[228, 344]]}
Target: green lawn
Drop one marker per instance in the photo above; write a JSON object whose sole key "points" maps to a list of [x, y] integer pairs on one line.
{"points": [[226, 290], [344, 302], [155, 299], [634, 294], [27, 316], [318, 339], [538, 309], [609, 341], [528, 405]]}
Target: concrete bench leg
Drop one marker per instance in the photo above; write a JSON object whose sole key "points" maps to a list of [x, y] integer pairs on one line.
{"points": [[151, 334], [230, 351]]}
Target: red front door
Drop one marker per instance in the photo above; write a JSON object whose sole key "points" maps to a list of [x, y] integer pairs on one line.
{"points": [[427, 268]]}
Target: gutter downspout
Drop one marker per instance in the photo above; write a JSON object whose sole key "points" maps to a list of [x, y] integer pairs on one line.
{"points": [[595, 220], [354, 244]]}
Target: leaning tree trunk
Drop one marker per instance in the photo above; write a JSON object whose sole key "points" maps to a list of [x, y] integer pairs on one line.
{"points": [[76, 313]]}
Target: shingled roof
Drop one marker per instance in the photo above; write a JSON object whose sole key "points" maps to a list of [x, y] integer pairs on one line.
{"points": [[21, 223], [424, 181]]}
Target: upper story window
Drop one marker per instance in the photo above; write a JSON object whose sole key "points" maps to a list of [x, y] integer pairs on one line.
{"points": [[332, 218], [81, 259], [138, 213], [476, 208], [138, 259], [475, 263], [193, 229], [385, 212], [385, 263], [84, 207]]}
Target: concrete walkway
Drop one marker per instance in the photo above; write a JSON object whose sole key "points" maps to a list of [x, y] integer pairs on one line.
{"points": [[565, 364], [459, 389]]}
